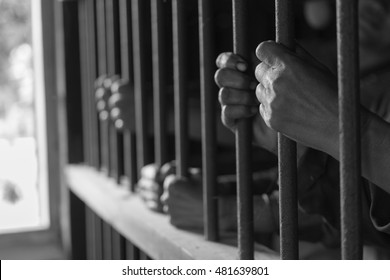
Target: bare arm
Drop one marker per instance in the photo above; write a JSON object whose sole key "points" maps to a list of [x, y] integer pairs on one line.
{"points": [[291, 89]]}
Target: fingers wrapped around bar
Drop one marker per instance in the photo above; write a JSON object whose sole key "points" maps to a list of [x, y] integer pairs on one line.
{"points": [[236, 94], [293, 87]]}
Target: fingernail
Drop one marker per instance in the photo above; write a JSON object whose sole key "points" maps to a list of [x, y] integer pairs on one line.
{"points": [[241, 66]]}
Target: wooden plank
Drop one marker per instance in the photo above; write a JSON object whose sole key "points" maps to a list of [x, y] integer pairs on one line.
{"points": [[148, 230]]}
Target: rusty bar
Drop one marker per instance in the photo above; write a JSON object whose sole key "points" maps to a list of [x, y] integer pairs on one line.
{"points": [[118, 246], [349, 128], [90, 233], [102, 66], [101, 36], [159, 81], [114, 68], [112, 37], [83, 39], [98, 237], [104, 131], [139, 31], [132, 252], [243, 142], [92, 74], [288, 201], [107, 241], [130, 164], [180, 79], [125, 40], [208, 112]]}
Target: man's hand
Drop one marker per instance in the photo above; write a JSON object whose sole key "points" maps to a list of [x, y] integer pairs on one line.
{"points": [[236, 93], [298, 97], [182, 200], [238, 99], [150, 185]]}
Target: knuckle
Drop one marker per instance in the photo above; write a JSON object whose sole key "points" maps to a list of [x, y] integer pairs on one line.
{"points": [[219, 59], [258, 72], [262, 46], [226, 111], [218, 78], [223, 95], [222, 59]]}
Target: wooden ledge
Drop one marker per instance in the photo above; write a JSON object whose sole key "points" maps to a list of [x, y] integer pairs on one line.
{"points": [[148, 230]]}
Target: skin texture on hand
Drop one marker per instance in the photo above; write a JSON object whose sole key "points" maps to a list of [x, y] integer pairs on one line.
{"points": [[238, 100], [150, 185], [290, 89], [183, 198]]}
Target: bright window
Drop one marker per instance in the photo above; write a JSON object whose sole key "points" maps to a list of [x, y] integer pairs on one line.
{"points": [[23, 183]]}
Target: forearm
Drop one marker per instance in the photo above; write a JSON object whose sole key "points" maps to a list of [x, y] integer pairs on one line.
{"points": [[375, 149]]}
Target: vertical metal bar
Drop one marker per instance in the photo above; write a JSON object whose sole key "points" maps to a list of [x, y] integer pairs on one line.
{"points": [[118, 248], [288, 201], [125, 40], [113, 68], [90, 233], [159, 80], [130, 168], [130, 163], [132, 252], [143, 256], [180, 79], [83, 27], [104, 117], [98, 229], [101, 36], [107, 240], [243, 142], [208, 101], [349, 125], [139, 29], [91, 55], [102, 66], [112, 37]]}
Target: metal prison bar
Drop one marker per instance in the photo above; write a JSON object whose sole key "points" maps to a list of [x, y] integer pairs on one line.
{"points": [[101, 235], [108, 73], [288, 199], [116, 138], [87, 19], [114, 71], [180, 79], [95, 17], [243, 142], [125, 87], [159, 81], [208, 100], [139, 31], [349, 125]]}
